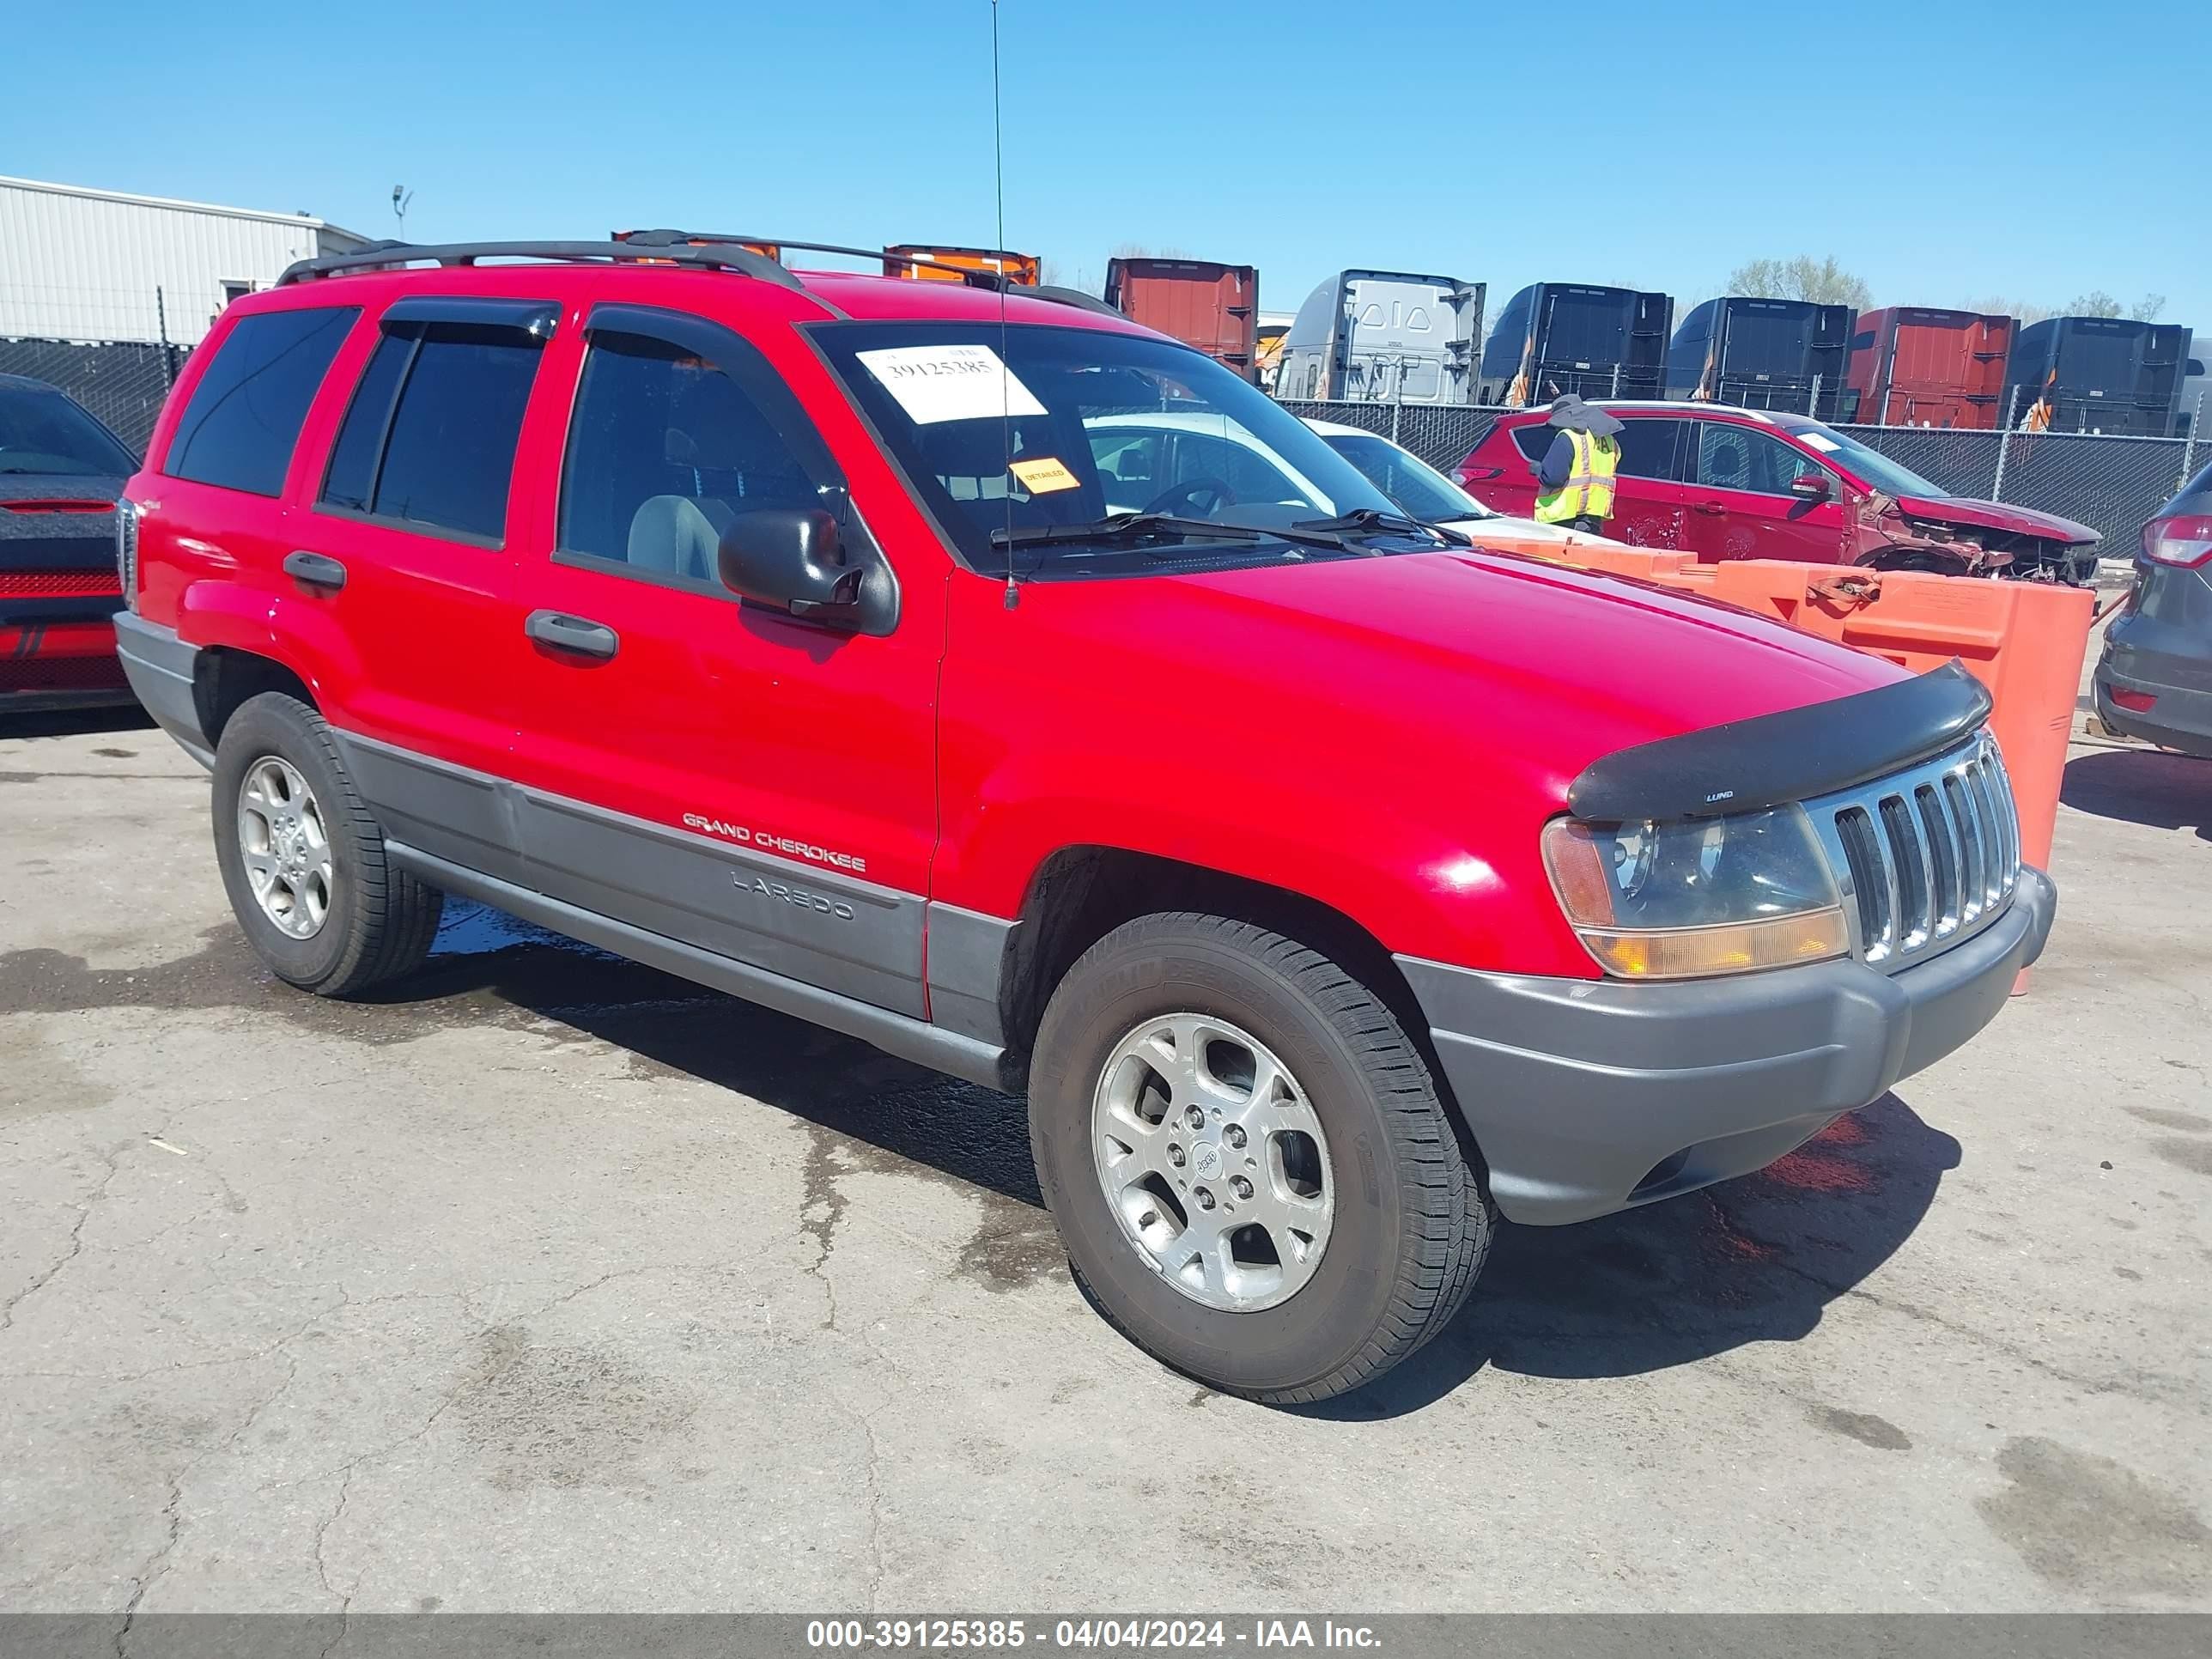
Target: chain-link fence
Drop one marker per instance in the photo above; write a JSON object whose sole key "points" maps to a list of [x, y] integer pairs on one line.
{"points": [[2108, 482], [121, 381], [112, 350]]}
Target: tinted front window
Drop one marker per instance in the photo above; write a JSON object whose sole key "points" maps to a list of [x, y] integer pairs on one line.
{"points": [[990, 450], [664, 450], [247, 411], [449, 453], [44, 432]]}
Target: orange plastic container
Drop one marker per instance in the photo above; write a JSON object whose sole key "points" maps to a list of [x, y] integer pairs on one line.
{"points": [[2024, 640]]}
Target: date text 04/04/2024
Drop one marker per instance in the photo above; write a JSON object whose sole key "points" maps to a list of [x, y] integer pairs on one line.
{"points": [[1085, 1634]]}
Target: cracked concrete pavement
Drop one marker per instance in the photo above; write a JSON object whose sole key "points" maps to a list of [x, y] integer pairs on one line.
{"points": [[547, 1282]]}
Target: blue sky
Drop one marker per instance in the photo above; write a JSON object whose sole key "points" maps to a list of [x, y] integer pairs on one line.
{"points": [[1946, 152]]}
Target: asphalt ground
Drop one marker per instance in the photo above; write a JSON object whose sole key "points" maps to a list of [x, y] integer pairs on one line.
{"points": [[545, 1281]]}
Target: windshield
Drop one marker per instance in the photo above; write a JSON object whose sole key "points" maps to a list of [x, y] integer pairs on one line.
{"points": [[44, 432], [1891, 477], [1088, 425], [1420, 490]]}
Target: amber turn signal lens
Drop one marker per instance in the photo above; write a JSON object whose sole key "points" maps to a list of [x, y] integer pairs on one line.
{"points": [[1739, 947]]}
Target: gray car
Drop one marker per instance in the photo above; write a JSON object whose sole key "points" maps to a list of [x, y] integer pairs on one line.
{"points": [[2154, 678]]}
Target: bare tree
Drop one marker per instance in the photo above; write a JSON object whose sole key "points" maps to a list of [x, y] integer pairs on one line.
{"points": [[2149, 308], [1138, 251], [1997, 305], [2095, 303], [1822, 281]]}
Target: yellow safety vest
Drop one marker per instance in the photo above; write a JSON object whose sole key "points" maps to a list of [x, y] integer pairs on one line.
{"points": [[1588, 489]]}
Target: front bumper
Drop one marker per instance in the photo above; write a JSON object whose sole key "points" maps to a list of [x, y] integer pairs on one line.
{"points": [[56, 654], [1586, 1097]]}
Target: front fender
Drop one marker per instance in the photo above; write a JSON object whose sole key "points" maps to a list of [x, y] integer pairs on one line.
{"points": [[1413, 885]]}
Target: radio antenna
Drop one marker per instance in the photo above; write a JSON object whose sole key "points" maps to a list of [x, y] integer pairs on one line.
{"points": [[1006, 357]]}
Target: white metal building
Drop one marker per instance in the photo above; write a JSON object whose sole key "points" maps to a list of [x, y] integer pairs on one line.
{"points": [[97, 264]]}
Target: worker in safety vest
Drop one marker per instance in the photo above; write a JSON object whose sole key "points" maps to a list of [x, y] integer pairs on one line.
{"points": [[1574, 481]]}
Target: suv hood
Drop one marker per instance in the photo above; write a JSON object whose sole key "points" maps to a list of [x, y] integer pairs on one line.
{"points": [[1450, 650], [1996, 515]]}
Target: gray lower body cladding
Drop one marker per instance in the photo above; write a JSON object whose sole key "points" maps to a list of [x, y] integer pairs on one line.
{"points": [[160, 669], [1586, 1097], [845, 953]]}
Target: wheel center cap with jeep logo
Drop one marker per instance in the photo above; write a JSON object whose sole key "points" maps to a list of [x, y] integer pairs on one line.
{"points": [[1206, 1159]]}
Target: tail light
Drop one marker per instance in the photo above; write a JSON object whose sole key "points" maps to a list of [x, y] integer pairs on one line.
{"points": [[126, 550], [2141, 702], [2185, 539]]}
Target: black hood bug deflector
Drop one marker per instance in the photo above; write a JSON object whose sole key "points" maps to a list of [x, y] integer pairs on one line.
{"points": [[1793, 756]]}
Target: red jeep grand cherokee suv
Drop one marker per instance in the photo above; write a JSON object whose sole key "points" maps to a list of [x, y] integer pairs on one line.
{"points": [[1331, 885], [1751, 484]]}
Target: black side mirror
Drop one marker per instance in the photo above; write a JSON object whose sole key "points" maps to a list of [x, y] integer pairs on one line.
{"points": [[1810, 486], [790, 558]]}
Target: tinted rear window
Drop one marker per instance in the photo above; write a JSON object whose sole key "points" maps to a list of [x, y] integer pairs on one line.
{"points": [[246, 413], [1647, 447], [448, 455]]}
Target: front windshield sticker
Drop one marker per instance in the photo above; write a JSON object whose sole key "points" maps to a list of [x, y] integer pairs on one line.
{"points": [[1826, 445], [1043, 475], [936, 383]]}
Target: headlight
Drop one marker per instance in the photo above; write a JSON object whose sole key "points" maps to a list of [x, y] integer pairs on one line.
{"points": [[1700, 897]]}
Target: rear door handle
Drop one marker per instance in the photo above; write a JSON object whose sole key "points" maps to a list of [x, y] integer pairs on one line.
{"points": [[1713, 509], [575, 635], [315, 570]]}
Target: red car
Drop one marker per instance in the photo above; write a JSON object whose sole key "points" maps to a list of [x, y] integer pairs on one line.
{"points": [[1331, 885], [1752, 483], [60, 472]]}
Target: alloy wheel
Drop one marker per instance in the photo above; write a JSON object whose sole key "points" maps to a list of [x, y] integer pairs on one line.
{"points": [[1213, 1161]]}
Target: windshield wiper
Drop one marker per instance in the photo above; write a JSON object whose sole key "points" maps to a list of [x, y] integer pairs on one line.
{"points": [[1121, 526], [1367, 520]]}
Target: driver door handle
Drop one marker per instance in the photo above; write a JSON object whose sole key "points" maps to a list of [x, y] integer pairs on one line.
{"points": [[575, 635]]}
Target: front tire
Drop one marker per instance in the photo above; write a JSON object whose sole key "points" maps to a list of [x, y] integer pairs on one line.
{"points": [[303, 861], [1248, 1160]]}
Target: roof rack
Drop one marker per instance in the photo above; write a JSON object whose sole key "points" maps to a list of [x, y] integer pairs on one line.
{"points": [[666, 247], [992, 281], [712, 256]]}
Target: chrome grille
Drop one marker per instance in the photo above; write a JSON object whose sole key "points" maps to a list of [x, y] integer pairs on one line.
{"points": [[1925, 858]]}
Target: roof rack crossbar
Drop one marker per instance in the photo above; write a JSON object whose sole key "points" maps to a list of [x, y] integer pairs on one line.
{"points": [[712, 256], [717, 252], [990, 281]]}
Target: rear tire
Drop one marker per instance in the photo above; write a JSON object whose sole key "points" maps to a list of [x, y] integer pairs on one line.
{"points": [[303, 861], [1406, 1228]]}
